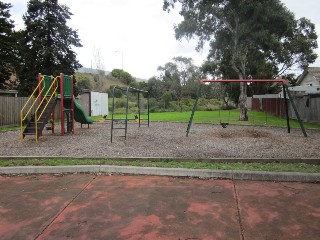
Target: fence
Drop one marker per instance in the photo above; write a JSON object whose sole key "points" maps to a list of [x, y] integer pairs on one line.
{"points": [[308, 107], [273, 106], [10, 108]]}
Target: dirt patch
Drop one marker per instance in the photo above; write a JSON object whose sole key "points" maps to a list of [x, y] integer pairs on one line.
{"points": [[235, 133], [167, 140]]}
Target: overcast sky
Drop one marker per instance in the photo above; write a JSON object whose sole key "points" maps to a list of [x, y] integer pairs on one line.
{"points": [[138, 35]]}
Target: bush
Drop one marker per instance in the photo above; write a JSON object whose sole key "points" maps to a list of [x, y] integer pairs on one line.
{"points": [[186, 104], [123, 76], [117, 92], [120, 103], [209, 104]]}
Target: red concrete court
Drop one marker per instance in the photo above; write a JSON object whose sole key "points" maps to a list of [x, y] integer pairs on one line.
{"points": [[83, 206]]}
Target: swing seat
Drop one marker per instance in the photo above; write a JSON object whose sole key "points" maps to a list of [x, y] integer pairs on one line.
{"points": [[224, 125]]}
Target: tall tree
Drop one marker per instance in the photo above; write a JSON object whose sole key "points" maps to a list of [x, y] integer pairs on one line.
{"points": [[48, 42], [156, 88], [7, 44], [243, 33], [123, 76], [180, 77], [171, 78]]}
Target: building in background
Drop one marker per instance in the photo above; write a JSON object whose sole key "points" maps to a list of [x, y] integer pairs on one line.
{"points": [[308, 82], [94, 103]]}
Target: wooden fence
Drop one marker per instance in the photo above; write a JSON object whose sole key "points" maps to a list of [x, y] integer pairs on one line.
{"points": [[10, 108], [308, 107], [273, 106]]}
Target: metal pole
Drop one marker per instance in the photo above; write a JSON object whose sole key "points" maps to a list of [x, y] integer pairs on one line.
{"points": [[139, 108], [194, 109], [62, 103], [127, 109], [286, 107], [296, 111], [73, 78], [148, 110], [112, 118]]}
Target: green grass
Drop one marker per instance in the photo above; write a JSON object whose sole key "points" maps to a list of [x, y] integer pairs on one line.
{"points": [[232, 116], [211, 117], [9, 128], [274, 167]]}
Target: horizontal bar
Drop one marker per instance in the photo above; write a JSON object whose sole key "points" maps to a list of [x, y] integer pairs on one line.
{"points": [[282, 81], [130, 89], [123, 119]]}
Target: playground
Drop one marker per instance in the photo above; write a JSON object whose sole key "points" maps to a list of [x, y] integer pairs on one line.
{"points": [[111, 206], [166, 140], [135, 138]]}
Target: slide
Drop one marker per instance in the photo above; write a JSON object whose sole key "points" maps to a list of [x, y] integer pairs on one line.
{"points": [[79, 114]]}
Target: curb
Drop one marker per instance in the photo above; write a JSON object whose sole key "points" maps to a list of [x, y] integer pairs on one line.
{"points": [[173, 172]]}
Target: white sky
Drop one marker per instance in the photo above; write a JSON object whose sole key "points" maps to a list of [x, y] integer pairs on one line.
{"points": [[140, 31]]}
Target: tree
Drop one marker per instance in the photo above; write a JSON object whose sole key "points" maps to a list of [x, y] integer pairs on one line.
{"points": [[166, 98], [83, 83], [156, 88], [246, 36], [7, 44], [123, 76], [180, 77], [171, 80], [48, 43], [117, 92]]}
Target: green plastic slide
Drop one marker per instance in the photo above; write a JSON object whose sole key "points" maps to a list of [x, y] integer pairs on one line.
{"points": [[79, 114]]}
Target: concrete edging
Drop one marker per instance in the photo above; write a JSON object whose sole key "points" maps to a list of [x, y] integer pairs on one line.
{"points": [[174, 172]]}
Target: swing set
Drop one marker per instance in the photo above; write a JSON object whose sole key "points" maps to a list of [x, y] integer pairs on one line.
{"points": [[224, 124]]}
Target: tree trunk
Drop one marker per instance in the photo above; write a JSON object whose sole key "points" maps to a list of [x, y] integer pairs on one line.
{"points": [[243, 102]]}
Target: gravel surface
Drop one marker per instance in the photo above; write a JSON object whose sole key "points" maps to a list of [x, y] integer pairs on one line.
{"points": [[168, 140]]}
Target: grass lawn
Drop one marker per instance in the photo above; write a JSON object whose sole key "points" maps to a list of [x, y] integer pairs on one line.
{"points": [[274, 167], [231, 117]]}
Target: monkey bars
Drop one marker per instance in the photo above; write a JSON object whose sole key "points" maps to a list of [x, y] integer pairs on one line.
{"points": [[126, 119]]}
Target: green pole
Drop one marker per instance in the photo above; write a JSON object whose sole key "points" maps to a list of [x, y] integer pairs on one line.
{"points": [[148, 110], [127, 110], [194, 109], [296, 111], [286, 107], [139, 112], [112, 112]]}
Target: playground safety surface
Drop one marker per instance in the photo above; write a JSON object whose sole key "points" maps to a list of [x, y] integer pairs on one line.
{"points": [[86, 206]]}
